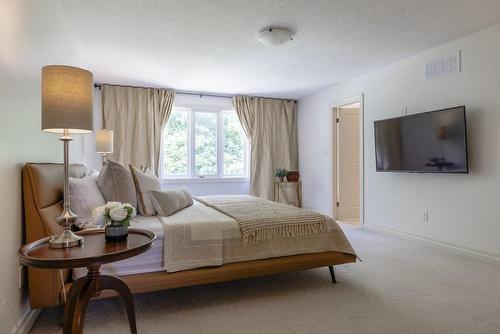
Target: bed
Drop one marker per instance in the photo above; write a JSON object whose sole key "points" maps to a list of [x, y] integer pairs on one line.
{"points": [[164, 267]]}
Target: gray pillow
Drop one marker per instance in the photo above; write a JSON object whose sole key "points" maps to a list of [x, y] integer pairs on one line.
{"points": [[168, 202], [84, 197], [144, 183], [116, 184]]}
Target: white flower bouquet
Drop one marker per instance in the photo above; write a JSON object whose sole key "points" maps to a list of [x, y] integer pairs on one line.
{"points": [[115, 213]]}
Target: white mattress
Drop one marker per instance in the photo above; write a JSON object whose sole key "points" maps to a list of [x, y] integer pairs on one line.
{"points": [[150, 261]]}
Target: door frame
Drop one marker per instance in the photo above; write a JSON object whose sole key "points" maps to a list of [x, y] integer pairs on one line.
{"points": [[333, 139]]}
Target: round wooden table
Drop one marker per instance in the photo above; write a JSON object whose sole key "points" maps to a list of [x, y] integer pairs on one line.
{"points": [[94, 252]]}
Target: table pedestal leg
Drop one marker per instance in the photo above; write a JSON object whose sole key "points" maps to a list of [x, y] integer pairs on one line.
{"points": [[83, 289], [114, 283]]}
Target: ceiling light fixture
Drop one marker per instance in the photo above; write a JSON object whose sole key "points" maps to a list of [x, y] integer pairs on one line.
{"points": [[275, 36]]}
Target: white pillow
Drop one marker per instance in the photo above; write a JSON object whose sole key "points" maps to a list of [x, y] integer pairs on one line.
{"points": [[84, 197]]}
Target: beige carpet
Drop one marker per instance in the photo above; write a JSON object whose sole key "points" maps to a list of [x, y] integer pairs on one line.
{"points": [[401, 287]]}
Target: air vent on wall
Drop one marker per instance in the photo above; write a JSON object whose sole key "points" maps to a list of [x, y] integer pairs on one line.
{"points": [[443, 66]]}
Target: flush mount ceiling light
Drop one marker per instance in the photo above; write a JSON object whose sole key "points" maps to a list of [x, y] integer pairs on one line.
{"points": [[275, 36]]}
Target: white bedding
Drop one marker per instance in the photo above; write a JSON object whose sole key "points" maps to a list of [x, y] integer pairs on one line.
{"points": [[147, 262], [233, 249]]}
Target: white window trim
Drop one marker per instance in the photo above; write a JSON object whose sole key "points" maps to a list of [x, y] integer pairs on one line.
{"points": [[215, 179], [192, 177]]}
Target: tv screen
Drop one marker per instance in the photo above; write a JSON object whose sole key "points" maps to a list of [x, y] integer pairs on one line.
{"points": [[431, 142]]}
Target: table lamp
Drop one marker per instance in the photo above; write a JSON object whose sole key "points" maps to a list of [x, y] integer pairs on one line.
{"points": [[104, 143], [67, 101]]}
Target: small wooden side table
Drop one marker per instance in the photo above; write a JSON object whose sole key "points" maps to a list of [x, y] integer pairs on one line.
{"points": [[94, 252], [280, 186]]}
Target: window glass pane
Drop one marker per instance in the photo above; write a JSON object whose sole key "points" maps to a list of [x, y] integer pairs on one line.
{"points": [[205, 147], [175, 144], [234, 145]]}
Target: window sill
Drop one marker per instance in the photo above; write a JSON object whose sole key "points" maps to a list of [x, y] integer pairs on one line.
{"points": [[204, 180]]}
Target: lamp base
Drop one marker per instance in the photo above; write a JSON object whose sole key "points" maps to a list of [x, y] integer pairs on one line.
{"points": [[104, 160], [65, 239]]}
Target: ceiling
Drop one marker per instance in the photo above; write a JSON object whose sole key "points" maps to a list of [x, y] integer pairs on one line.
{"points": [[210, 45]]}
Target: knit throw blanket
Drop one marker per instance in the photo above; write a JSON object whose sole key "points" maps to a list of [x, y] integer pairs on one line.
{"points": [[260, 219]]}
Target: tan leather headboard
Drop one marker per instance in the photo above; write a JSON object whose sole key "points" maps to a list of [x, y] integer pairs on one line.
{"points": [[43, 195], [43, 189]]}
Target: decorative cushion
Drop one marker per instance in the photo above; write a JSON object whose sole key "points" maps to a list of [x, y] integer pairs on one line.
{"points": [[84, 197], [144, 183], [170, 201], [91, 171], [116, 184]]}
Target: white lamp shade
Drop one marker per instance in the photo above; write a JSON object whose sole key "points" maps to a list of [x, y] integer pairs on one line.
{"points": [[104, 141], [67, 99]]}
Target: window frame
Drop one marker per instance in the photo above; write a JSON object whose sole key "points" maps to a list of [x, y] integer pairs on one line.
{"points": [[191, 176]]}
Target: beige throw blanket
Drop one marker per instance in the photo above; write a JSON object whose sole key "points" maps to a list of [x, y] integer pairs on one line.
{"points": [[261, 219]]}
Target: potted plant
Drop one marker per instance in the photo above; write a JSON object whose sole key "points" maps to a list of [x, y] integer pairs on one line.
{"points": [[281, 173], [117, 217]]}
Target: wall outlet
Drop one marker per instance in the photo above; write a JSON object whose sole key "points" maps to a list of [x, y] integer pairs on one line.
{"points": [[426, 217], [20, 276]]}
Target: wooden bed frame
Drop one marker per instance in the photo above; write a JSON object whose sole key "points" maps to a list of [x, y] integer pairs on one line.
{"points": [[42, 193]]}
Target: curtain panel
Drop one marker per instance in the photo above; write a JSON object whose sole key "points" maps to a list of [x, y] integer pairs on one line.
{"points": [[137, 117], [271, 128]]}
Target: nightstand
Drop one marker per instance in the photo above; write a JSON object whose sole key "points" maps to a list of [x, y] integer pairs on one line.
{"points": [[288, 193], [94, 252]]}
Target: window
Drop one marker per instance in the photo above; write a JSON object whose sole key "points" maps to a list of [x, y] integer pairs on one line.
{"points": [[235, 145], [203, 142], [175, 144]]}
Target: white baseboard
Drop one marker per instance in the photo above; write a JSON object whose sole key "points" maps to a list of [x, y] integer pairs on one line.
{"points": [[456, 249], [24, 324]]}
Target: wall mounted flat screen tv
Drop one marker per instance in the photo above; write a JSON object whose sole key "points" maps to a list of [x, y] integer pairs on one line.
{"points": [[430, 142]]}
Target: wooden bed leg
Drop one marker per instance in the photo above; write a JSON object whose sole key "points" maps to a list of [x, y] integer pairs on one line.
{"points": [[332, 273]]}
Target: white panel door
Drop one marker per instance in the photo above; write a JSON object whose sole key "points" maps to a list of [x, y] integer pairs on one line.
{"points": [[348, 164]]}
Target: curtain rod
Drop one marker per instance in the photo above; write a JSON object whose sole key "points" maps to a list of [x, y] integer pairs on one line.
{"points": [[98, 85]]}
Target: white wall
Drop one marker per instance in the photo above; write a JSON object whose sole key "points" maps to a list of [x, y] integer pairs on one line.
{"points": [[463, 209], [90, 158], [32, 34]]}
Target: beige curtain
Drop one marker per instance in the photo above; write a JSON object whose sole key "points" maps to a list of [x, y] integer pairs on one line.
{"points": [[137, 117], [164, 99], [271, 127]]}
